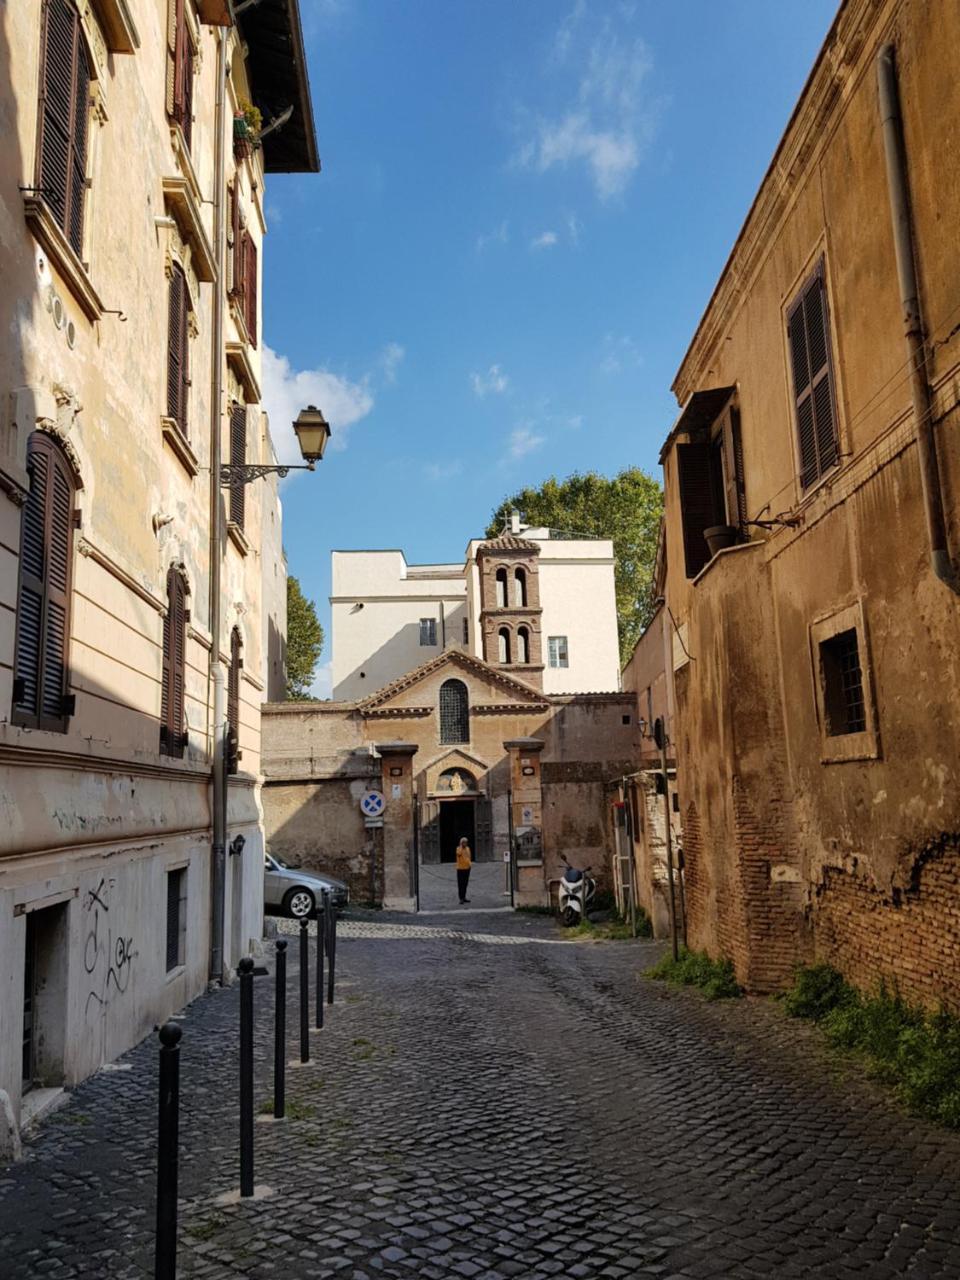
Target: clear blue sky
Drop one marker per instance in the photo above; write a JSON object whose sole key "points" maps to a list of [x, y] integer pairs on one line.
{"points": [[523, 209]]}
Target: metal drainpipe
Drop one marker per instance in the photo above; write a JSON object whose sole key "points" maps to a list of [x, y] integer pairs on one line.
{"points": [[218, 776], [896, 155]]}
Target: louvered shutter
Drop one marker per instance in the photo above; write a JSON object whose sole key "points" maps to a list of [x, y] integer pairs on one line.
{"points": [[233, 702], [172, 735], [236, 244], [180, 64], [186, 109], [733, 478], [177, 350], [43, 603], [809, 337], [65, 89], [165, 677], [696, 471], [238, 457], [250, 288]]}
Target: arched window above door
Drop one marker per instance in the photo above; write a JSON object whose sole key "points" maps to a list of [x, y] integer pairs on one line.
{"points": [[454, 712]]}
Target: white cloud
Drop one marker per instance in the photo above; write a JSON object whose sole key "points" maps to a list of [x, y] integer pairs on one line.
{"points": [[620, 352], [322, 685], [545, 240], [500, 235], [493, 382], [524, 440], [391, 359], [286, 391], [439, 471], [573, 228], [607, 123]]}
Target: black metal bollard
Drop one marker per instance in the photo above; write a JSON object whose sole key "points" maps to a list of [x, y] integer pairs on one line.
{"points": [[304, 992], [321, 932], [245, 970], [331, 948], [280, 1032], [168, 1142]]}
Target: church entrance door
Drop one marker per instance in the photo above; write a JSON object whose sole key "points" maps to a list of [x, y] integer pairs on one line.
{"points": [[457, 818]]}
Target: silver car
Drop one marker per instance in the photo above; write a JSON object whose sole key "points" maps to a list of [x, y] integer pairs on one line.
{"points": [[296, 892]]}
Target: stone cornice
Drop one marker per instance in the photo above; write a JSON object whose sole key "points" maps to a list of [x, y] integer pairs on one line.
{"points": [[508, 708], [806, 135], [395, 713], [19, 756]]}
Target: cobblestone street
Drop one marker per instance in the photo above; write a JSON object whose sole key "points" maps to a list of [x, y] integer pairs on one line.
{"points": [[489, 1101]]}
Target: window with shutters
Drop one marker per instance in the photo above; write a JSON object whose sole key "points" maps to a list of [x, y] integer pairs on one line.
{"points": [[176, 918], [41, 649], [808, 337], [233, 700], [183, 58], [65, 74], [178, 350], [250, 286], [428, 631], [454, 712], [172, 735], [238, 458], [236, 234], [845, 705], [711, 483]]}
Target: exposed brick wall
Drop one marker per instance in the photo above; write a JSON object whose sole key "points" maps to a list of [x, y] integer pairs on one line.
{"points": [[907, 937], [696, 880]]}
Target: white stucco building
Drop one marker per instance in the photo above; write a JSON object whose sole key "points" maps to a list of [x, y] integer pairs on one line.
{"points": [[541, 605]]}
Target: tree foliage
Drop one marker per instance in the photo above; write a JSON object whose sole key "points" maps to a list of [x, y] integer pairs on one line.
{"points": [[304, 640], [625, 508]]}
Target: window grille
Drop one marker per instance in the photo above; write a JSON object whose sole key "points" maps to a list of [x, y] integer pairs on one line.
{"points": [[843, 684], [454, 712]]}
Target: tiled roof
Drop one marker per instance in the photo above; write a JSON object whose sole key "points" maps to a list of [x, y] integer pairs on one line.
{"points": [[508, 542]]}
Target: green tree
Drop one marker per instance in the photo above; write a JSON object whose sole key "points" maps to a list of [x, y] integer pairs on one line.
{"points": [[304, 640], [625, 508]]}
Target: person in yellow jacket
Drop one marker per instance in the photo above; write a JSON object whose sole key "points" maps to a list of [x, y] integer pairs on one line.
{"points": [[464, 863]]}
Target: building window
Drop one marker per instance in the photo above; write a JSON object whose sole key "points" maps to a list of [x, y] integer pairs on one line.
{"points": [[845, 707], [523, 645], [238, 458], [503, 645], [501, 581], [454, 712], [178, 336], [176, 918], [428, 631], [244, 265], [842, 684], [64, 113], [559, 655], [711, 483], [183, 56], [40, 671], [520, 588], [466, 631], [808, 335], [233, 700], [172, 736]]}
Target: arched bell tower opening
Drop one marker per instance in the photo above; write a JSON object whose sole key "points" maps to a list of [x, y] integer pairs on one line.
{"points": [[510, 613]]}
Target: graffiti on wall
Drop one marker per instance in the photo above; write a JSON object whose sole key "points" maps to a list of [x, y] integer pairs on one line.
{"points": [[108, 952]]}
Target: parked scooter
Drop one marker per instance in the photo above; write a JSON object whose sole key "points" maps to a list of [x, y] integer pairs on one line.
{"points": [[576, 893]]}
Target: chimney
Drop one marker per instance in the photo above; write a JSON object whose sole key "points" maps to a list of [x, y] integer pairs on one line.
{"points": [[514, 521]]}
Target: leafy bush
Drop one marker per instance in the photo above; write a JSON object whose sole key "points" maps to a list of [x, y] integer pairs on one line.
{"points": [[696, 969], [918, 1054]]}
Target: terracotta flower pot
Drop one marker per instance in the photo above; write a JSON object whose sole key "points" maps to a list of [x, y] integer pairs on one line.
{"points": [[719, 536]]}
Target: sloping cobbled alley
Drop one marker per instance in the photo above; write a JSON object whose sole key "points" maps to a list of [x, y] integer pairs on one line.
{"points": [[487, 1101]]}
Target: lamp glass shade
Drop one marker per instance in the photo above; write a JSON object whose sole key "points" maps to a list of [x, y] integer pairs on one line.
{"points": [[313, 432]]}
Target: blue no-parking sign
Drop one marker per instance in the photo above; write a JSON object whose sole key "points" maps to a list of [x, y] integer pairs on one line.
{"points": [[373, 804]]}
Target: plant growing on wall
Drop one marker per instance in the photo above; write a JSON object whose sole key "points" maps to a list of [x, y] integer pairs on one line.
{"points": [[625, 508], [247, 123], [304, 641]]}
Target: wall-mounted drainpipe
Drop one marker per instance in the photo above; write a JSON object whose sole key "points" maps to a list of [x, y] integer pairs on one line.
{"points": [[218, 774], [896, 156]]}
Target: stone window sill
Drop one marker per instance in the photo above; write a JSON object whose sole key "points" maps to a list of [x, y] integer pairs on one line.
{"points": [[62, 255], [237, 537], [180, 446]]}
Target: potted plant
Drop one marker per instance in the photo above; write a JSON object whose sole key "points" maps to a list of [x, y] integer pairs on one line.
{"points": [[247, 123], [720, 536]]}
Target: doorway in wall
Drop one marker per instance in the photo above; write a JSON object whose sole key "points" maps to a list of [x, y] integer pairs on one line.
{"points": [[43, 1043], [457, 818]]}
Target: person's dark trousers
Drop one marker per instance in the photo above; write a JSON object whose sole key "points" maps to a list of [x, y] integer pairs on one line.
{"points": [[462, 878]]}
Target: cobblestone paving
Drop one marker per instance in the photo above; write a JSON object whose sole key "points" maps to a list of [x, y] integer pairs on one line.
{"points": [[495, 1111]]}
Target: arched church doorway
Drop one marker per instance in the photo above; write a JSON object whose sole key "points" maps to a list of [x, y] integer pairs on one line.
{"points": [[457, 818]]}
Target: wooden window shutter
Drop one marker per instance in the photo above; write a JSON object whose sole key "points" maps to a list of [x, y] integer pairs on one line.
{"points": [[43, 607], [250, 287], [697, 474], [233, 701], [178, 363], [172, 736], [182, 69], [238, 458], [808, 332], [236, 243], [65, 98], [733, 478]]}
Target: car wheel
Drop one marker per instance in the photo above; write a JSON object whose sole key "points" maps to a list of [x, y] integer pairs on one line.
{"points": [[299, 903]]}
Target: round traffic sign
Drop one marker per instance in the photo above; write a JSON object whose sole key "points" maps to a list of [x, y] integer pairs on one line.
{"points": [[373, 804]]}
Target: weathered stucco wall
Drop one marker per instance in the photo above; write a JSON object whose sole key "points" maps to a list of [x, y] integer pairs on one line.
{"points": [[797, 844]]}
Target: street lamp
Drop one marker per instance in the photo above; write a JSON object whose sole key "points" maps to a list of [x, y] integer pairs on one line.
{"points": [[312, 431]]}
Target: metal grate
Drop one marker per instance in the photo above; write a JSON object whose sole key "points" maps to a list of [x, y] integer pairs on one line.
{"points": [[176, 917], [843, 684], [454, 712]]}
